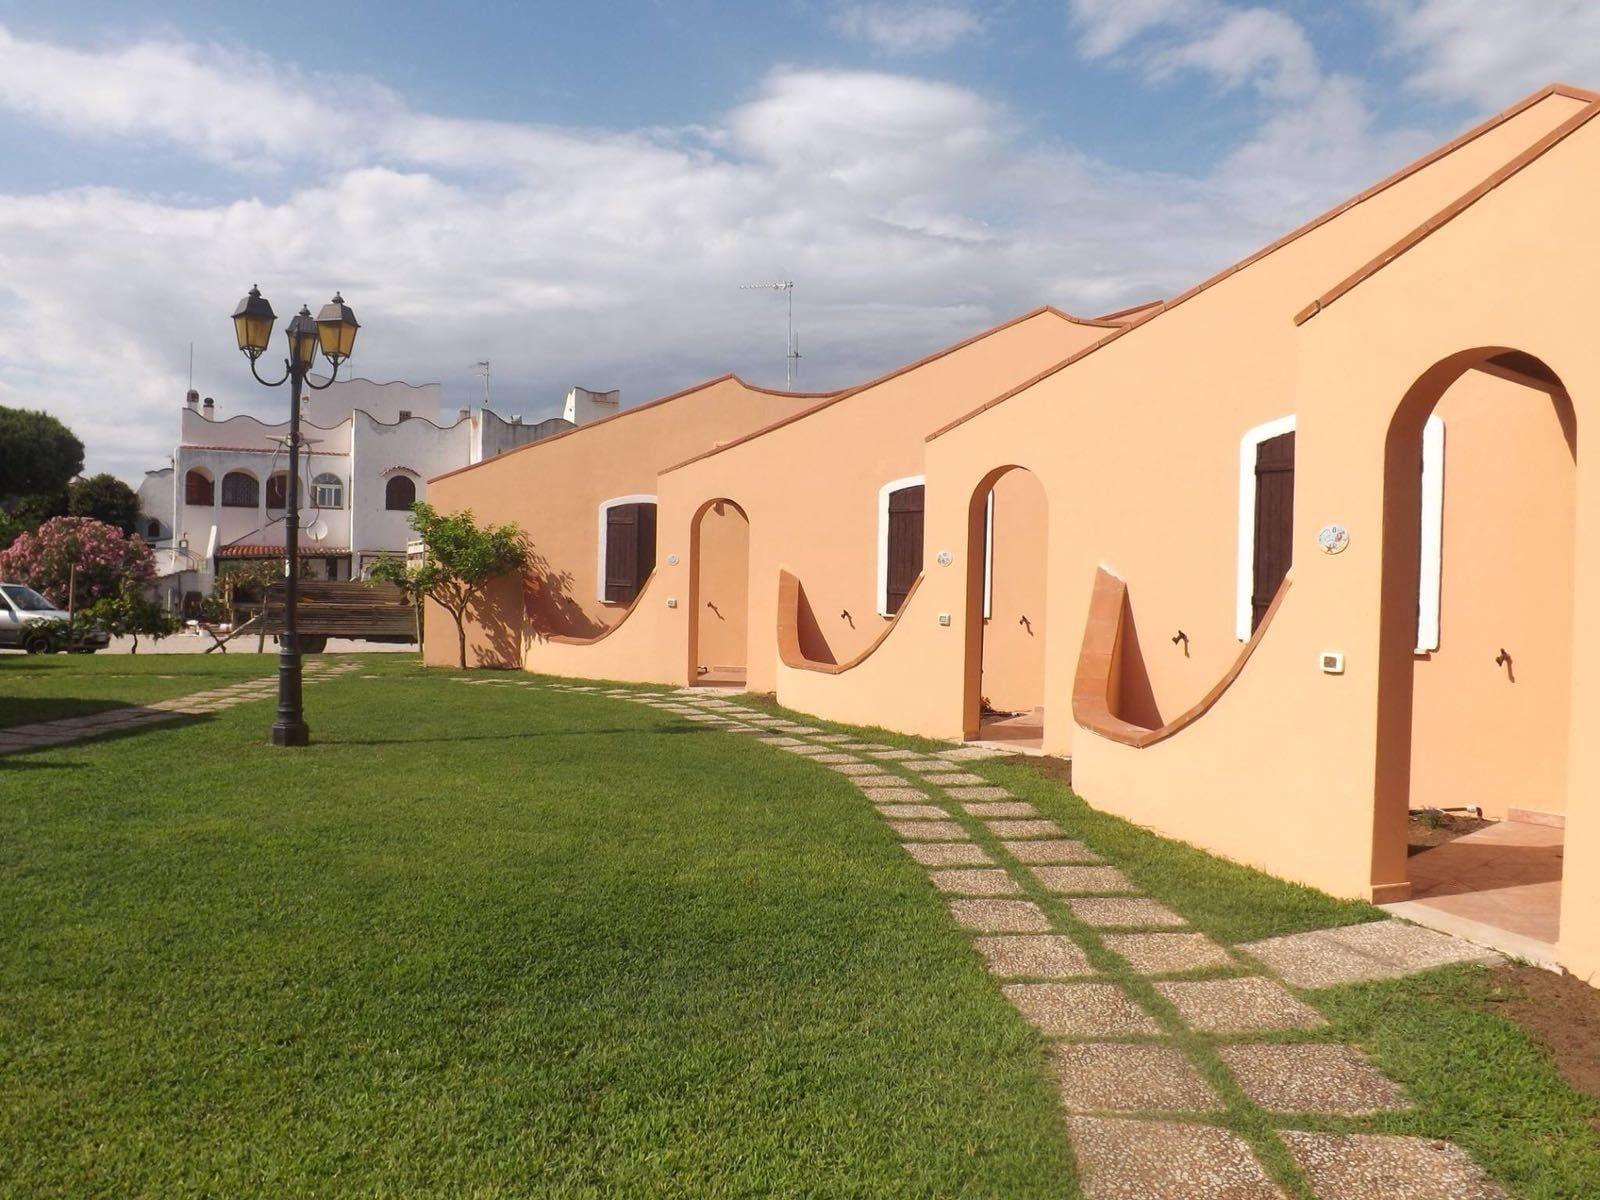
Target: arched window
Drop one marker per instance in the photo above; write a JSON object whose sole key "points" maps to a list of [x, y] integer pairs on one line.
{"points": [[327, 491], [278, 490], [152, 530], [400, 493], [240, 490], [198, 490]]}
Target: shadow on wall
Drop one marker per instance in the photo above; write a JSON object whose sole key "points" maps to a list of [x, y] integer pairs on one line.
{"points": [[549, 608], [813, 641], [1136, 699]]}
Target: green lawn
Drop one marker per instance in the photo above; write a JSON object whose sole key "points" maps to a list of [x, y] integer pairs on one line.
{"points": [[48, 687], [488, 940]]}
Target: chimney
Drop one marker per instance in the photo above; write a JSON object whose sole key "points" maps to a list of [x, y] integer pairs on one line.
{"points": [[191, 399], [463, 413], [208, 408]]}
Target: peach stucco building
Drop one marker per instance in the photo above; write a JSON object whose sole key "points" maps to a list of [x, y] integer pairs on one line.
{"points": [[1273, 561]]}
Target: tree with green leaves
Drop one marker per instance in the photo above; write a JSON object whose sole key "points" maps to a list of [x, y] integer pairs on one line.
{"points": [[459, 562], [129, 614], [104, 498], [38, 456]]}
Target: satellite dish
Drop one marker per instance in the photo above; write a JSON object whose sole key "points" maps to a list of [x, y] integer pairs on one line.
{"points": [[317, 530]]}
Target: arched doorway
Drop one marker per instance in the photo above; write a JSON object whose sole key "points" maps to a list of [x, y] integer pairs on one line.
{"points": [[1008, 519], [1476, 644], [719, 600]]}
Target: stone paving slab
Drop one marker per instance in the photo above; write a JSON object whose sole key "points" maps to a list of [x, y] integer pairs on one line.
{"points": [[1357, 953], [923, 765], [1114, 912], [1001, 808], [805, 729], [889, 793], [999, 916], [832, 737], [978, 881], [1116, 1077], [1311, 1078], [929, 831], [892, 754], [913, 812], [882, 781], [859, 747], [1034, 956], [783, 741], [1125, 1159], [1162, 953], [851, 768], [1065, 881], [978, 793], [1079, 1009], [1051, 850], [1023, 829], [948, 854], [1370, 1166], [955, 778], [973, 753], [837, 757], [1239, 1005]]}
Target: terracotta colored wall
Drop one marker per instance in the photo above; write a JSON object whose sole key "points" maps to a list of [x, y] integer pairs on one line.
{"points": [[554, 489], [722, 588], [1013, 651], [811, 487], [1139, 441], [1482, 734]]}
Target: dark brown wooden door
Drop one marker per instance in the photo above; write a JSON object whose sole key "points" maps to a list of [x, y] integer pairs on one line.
{"points": [[630, 550], [1274, 521], [905, 543]]}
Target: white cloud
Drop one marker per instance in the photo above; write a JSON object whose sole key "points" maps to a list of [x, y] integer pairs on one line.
{"points": [[1489, 55], [915, 27], [911, 213], [1231, 45]]}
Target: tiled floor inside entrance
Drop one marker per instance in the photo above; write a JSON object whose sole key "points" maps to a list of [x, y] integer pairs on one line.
{"points": [[1504, 877], [1022, 732]]}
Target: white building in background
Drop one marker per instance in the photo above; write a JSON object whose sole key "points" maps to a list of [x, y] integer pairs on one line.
{"points": [[367, 452]]}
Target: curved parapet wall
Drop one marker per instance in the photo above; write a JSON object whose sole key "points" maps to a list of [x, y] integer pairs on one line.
{"points": [[637, 648], [1097, 687], [789, 650], [909, 679]]}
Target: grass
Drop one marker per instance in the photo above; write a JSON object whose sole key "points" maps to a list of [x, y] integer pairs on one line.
{"points": [[1476, 1077], [49, 687], [487, 941]]}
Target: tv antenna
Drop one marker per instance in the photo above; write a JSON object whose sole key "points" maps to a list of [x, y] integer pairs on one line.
{"points": [[481, 367], [791, 347]]}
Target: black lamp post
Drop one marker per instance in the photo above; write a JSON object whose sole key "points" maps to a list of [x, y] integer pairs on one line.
{"points": [[333, 331]]}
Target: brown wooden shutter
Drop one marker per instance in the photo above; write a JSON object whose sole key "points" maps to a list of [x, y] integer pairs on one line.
{"points": [[905, 543], [630, 550], [1274, 521]]}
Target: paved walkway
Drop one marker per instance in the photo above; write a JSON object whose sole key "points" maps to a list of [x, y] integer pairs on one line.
{"points": [[16, 739], [1155, 1030]]}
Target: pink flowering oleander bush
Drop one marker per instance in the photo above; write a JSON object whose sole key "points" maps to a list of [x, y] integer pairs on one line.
{"points": [[104, 556]]}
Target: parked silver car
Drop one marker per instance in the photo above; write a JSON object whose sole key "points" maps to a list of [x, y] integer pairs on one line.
{"points": [[27, 623]]}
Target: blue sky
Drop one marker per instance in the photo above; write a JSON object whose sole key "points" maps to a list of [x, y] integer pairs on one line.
{"points": [[576, 191]]}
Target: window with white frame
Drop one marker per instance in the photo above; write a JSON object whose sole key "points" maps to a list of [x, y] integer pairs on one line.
{"points": [[627, 553], [327, 491], [900, 525], [1431, 533]]}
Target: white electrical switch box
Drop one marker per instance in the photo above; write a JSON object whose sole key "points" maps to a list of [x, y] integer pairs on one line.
{"points": [[1332, 662], [944, 618], [672, 602]]}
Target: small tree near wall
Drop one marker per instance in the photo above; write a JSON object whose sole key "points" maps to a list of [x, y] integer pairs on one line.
{"points": [[460, 561]]}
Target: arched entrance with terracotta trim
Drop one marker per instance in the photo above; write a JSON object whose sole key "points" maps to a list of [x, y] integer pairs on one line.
{"points": [[1475, 648], [719, 596], [1008, 524]]}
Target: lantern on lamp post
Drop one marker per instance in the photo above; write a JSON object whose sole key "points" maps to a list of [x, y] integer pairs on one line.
{"points": [[332, 333]]}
